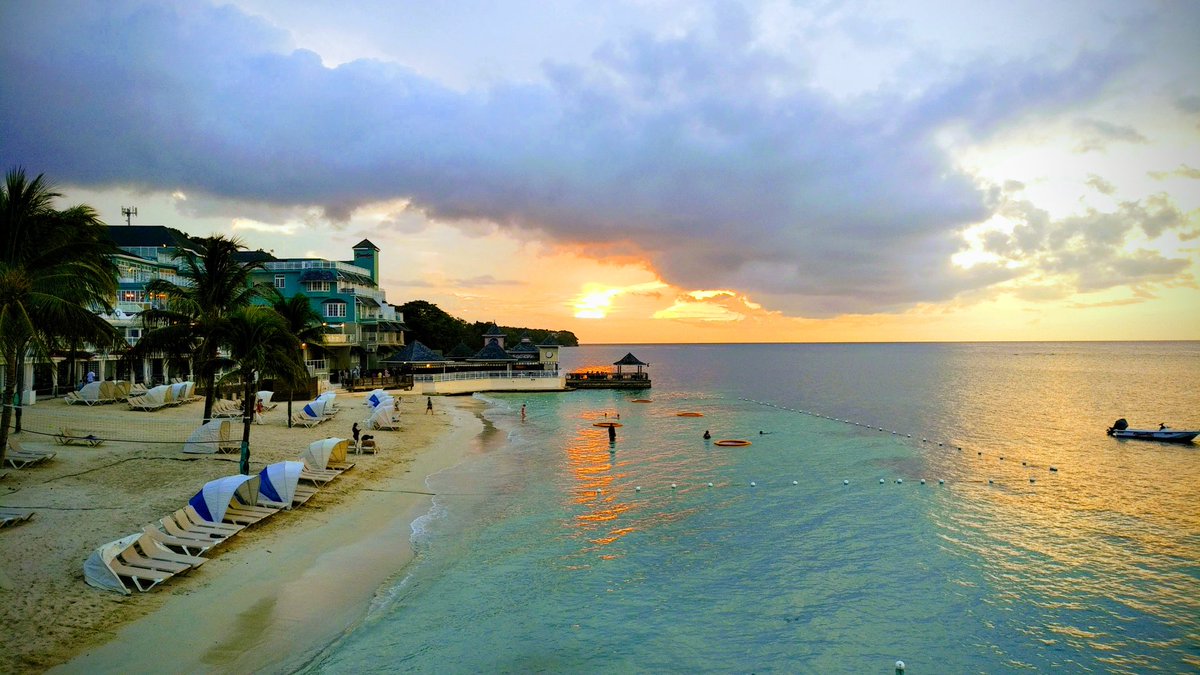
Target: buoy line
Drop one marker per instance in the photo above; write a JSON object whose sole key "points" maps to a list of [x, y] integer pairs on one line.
{"points": [[871, 427]]}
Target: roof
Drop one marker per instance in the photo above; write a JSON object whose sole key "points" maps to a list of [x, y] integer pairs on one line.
{"points": [[549, 342], [524, 346], [365, 243], [415, 352], [461, 351], [494, 331], [629, 360], [492, 351]]}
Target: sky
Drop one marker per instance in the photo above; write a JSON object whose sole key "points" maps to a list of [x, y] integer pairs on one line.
{"points": [[655, 170]]}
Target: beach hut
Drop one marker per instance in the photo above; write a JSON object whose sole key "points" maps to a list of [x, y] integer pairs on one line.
{"points": [[277, 482], [315, 409], [96, 570], [213, 499], [320, 453], [212, 436]]}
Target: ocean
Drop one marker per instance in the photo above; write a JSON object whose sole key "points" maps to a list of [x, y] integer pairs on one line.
{"points": [[957, 507]]}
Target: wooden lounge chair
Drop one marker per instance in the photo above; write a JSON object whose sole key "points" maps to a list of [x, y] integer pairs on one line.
{"points": [[366, 446], [67, 436], [14, 516], [71, 398], [318, 476]]}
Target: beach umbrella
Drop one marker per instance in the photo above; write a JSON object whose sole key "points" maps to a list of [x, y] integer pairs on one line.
{"points": [[315, 408], [207, 439], [212, 499], [319, 453], [374, 397], [277, 482]]}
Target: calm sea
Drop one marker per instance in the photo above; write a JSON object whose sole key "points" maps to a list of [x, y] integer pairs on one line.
{"points": [[1048, 546]]}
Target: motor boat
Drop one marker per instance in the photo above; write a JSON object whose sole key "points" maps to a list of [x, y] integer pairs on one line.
{"points": [[1120, 429]]}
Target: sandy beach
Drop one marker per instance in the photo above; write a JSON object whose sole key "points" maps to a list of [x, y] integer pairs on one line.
{"points": [[269, 600]]}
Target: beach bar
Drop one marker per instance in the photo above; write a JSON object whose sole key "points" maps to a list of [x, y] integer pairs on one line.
{"points": [[606, 378]]}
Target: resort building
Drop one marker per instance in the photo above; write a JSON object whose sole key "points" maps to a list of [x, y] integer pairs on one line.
{"points": [[359, 322]]}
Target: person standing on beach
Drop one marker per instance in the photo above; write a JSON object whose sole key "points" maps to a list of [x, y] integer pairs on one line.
{"points": [[428, 405]]}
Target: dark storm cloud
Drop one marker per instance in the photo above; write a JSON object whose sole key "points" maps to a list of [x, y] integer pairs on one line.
{"points": [[708, 153]]}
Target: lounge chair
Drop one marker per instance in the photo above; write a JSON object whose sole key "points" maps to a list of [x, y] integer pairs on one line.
{"points": [[196, 521], [144, 403], [152, 549], [366, 446], [143, 578], [19, 458], [14, 516], [67, 436], [188, 545], [71, 398], [134, 558], [304, 420], [173, 526]]}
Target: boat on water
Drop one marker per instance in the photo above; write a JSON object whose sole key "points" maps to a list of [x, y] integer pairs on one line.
{"points": [[1164, 433]]}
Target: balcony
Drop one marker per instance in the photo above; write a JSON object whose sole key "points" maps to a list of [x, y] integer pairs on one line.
{"points": [[339, 339]]}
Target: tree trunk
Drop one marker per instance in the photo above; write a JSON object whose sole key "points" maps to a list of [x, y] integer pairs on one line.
{"points": [[20, 382], [248, 401], [209, 371], [10, 387]]}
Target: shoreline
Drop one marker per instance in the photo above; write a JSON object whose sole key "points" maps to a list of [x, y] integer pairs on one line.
{"points": [[278, 597]]}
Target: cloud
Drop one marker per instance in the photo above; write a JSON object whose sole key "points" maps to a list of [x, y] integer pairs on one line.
{"points": [[704, 151], [1098, 134], [1183, 171]]}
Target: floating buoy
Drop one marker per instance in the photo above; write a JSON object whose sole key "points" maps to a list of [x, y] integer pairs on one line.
{"points": [[689, 414], [899, 666], [672, 486], [640, 400], [795, 482], [845, 482], [1054, 468], [753, 484], [1022, 463], [1001, 458], [1032, 479], [608, 424], [922, 481], [990, 481], [731, 443], [899, 481], [637, 489], [881, 481], [908, 435]]}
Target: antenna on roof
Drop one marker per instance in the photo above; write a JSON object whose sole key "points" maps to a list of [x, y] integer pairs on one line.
{"points": [[128, 212]]}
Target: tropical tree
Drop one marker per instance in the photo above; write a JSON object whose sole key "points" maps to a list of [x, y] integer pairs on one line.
{"points": [[56, 267], [305, 323], [260, 345], [216, 284]]}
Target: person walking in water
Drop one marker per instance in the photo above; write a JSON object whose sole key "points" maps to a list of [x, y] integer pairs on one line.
{"points": [[428, 405], [612, 434], [707, 435], [522, 412]]}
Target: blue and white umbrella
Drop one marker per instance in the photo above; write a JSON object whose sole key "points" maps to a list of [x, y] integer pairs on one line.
{"points": [[277, 482], [212, 499], [315, 408]]}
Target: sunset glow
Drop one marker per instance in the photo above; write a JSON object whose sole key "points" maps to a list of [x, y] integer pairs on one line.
{"points": [[659, 176]]}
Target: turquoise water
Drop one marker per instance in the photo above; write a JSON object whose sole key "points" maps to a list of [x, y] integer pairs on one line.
{"points": [[542, 554]]}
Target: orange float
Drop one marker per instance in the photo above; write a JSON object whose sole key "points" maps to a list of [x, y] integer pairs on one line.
{"points": [[732, 443], [641, 400], [608, 424], [689, 414]]}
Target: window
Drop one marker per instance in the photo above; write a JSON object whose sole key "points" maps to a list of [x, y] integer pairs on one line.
{"points": [[317, 286], [280, 280], [335, 310], [133, 296]]}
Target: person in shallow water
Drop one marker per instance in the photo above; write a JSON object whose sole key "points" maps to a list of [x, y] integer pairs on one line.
{"points": [[707, 435], [612, 434]]}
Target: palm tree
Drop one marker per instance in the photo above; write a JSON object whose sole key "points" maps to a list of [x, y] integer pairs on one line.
{"points": [[55, 267], [216, 284], [259, 345], [305, 323]]}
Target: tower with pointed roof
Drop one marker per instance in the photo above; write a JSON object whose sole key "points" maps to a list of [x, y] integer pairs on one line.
{"points": [[366, 256]]}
